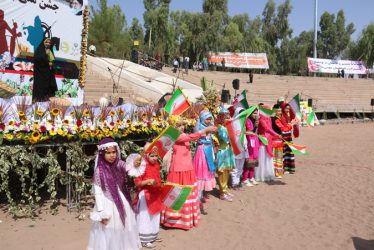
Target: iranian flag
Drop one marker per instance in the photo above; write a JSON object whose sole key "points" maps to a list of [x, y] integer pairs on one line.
{"points": [[241, 101], [236, 129], [295, 106], [165, 141], [298, 149], [265, 112], [177, 104], [310, 120], [174, 196]]}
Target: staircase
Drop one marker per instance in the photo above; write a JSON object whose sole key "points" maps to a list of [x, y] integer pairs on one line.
{"points": [[99, 84]]}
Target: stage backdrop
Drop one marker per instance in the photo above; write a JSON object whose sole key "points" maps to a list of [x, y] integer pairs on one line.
{"points": [[240, 60], [332, 66], [23, 25]]}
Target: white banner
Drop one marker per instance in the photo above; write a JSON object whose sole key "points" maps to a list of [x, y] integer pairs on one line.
{"points": [[23, 26], [333, 66]]}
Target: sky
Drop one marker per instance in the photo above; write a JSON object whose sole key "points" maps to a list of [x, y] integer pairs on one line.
{"points": [[360, 12]]}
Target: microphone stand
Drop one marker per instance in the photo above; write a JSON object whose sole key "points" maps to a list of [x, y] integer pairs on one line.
{"points": [[114, 82]]}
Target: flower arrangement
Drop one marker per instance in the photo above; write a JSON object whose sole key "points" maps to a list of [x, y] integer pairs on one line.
{"points": [[53, 123], [83, 61]]}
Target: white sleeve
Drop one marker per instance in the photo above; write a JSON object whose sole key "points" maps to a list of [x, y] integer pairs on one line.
{"points": [[99, 198]]}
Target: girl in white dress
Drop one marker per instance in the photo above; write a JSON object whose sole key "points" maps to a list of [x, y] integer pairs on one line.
{"points": [[114, 226]]}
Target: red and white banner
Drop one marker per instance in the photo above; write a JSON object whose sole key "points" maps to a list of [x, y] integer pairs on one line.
{"points": [[239, 60], [333, 66]]}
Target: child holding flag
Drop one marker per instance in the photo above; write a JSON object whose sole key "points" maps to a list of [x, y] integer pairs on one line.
{"points": [[253, 147], [265, 169], [225, 157], [239, 158], [182, 172], [114, 224], [278, 127], [288, 120], [203, 160], [148, 203]]}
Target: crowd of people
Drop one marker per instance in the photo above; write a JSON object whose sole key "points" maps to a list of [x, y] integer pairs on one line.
{"points": [[120, 222]]}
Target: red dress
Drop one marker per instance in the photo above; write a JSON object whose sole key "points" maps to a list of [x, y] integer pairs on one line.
{"points": [[151, 192], [182, 172]]}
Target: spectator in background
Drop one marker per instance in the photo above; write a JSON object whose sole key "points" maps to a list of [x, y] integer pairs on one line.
{"points": [[92, 49], [186, 64], [342, 73]]}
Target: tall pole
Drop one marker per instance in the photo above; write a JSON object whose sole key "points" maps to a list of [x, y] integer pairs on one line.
{"points": [[315, 29], [150, 38]]}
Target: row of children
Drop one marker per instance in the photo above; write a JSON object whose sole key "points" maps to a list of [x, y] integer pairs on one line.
{"points": [[120, 223]]}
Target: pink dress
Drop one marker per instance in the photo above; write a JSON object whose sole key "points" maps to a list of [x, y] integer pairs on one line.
{"points": [[182, 172]]}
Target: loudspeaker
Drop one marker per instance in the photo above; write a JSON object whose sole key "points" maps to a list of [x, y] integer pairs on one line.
{"points": [[235, 84], [310, 102], [225, 95], [372, 102]]}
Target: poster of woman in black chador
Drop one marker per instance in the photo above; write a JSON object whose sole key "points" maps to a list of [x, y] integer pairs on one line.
{"points": [[44, 76]]}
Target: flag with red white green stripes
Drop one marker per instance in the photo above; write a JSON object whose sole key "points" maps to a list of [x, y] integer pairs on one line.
{"points": [[177, 104], [264, 111], [174, 196], [241, 100], [236, 129], [295, 106], [298, 149], [165, 141]]}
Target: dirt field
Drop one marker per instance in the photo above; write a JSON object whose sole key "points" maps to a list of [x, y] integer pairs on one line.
{"points": [[327, 204]]}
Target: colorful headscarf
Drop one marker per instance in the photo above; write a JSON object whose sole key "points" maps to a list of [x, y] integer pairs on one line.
{"points": [[111, 177], [200, 125]]}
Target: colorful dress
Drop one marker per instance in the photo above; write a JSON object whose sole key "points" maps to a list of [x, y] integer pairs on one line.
{"points": [[278, 145], [225, 159], [253, 148], [265, 169], [182, 172], [203, 160], [288, 155], [149, 203]]}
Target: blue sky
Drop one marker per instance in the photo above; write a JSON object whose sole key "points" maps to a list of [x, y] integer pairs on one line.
{"points": [[360, 12]]}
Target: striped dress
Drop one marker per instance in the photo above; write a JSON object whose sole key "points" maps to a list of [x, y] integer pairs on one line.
{"points": [[182, 172], [288, 155]]}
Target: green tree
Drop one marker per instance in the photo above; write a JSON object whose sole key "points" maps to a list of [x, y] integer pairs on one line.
{"points": [[233, 39], [156, 23], [334, 37], [136, 31], [363, 49], [107, 31]]}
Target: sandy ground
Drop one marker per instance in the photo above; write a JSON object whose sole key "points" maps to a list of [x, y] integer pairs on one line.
{"points": [[328, 204]]}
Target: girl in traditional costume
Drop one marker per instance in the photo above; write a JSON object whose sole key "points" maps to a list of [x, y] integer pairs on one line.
{"points": [[225, 157], [182, 172], [253, 147], [114, 225], [148, 203], [279, 128], [265, 169], [288, 120], [203, 160], [240, 159]]}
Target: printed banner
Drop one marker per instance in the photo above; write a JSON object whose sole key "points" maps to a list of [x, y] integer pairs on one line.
{"points": [[239, 60], [23, 26], [333, 66]]}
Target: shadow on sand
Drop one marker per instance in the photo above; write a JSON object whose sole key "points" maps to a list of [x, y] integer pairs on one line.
{"points": [[361, 244]]}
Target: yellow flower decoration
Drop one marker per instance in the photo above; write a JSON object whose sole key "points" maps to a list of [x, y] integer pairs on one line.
{"points": [[121, 112], [128, 121], [65, 122], [52, 132], [26, 138], [23, 119], [86, 112], [35, 136], [39, 112], [1, 112], [9, 137], [21, 113], [55, 112], [60, 131], [112, 113], [11, 123]]}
